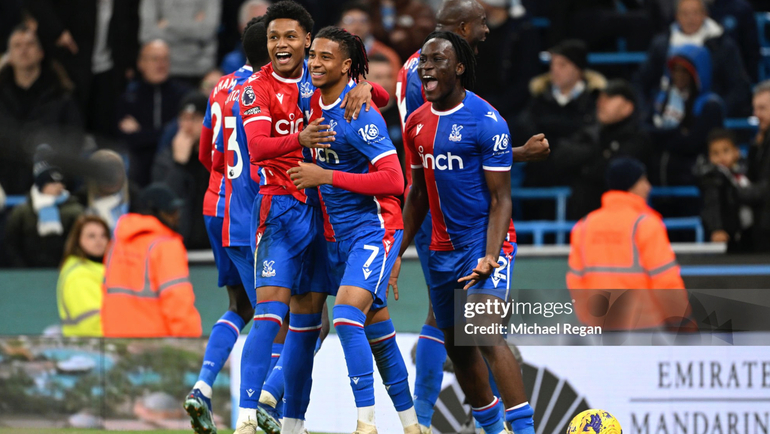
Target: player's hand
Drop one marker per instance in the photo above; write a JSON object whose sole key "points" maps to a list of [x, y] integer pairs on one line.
{"points": [[358, 96], [536, 148], [316, 135], [486, 266], [309, 175], [393, 281], [129, 125]]}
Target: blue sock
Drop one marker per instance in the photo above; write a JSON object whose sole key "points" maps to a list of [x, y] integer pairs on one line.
{"points": [[520, 418], [430, 359], [256, 356], [223, 336], [390, 363], [500, 409], [276, 354], [298, 366], [274, 382], [349, 323], [489, 417]]}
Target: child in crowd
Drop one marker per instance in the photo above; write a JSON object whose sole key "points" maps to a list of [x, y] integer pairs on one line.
{"points": [[721, 181]]}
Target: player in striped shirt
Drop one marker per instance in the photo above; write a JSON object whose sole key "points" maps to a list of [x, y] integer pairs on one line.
{"points": [[461, 158]]}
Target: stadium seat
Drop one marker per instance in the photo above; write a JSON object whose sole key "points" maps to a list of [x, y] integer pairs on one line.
{"points": [[12, 201], [558, 194], [675, 191]]}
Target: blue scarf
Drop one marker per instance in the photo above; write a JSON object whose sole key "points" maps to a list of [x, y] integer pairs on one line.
{"points": [[47, 209]]}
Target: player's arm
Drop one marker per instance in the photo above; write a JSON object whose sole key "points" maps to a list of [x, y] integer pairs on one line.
{"points": [[206, 139], [536, 149], [494, 145], [417, 205], [364, 93]]}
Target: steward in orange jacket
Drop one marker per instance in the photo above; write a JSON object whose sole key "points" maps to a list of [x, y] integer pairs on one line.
{"points": [[147, 290], [622, 271]]}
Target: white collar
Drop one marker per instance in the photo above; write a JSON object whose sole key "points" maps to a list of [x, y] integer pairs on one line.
{"points": [[446, 112]]}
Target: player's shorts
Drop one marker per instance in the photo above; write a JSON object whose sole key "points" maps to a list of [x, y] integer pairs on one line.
{"points": [[228, 273], [243, 259], [365, 261], [448, 266], [285, 232], [422, 244]]}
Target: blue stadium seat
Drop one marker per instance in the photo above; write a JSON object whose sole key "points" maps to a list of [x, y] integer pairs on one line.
{"points": [[676, 191], [558, 194], [12, 201]]}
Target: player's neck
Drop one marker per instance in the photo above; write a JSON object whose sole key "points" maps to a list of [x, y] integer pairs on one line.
{"points": [[451, 100], [294, 74], [329, 94]]}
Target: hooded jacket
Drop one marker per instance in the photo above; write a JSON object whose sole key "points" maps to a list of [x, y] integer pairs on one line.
{"points": [[730, 80], [678, 148], [147, 290]]}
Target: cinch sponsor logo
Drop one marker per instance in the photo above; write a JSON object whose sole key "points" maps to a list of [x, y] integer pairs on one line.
{"points": [[289, 127], [325, 155], [441, 161]]}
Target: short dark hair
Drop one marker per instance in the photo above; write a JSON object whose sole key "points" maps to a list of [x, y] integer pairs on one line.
{"points": [[721, 134], [379, 57], [464, 54], [255, 43], [352, 46], [292, 11]]}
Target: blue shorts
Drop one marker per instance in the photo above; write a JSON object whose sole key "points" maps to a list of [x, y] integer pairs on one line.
{"points": [[242, 257], [448, 266], [228, 273], [286, 237], [422, 244], [365, 261]]}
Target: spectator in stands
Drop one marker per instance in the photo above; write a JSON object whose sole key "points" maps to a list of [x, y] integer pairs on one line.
{"points": [[189, 28], [507, 60], [34, 99], [694, 27], [737, 19], [147, 289], [96, 41], [147, 105], [623, 249], [563, 102], [759, 170], [237, 58], [586, 155], [356, 19], [79, 291], [108, 192], [177, 166], [402, 24], [721, 181], [36, 230], [209, 81], [685, 112]]}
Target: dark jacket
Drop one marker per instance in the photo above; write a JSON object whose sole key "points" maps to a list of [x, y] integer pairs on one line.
{"points": [[758, 194], [189, 181], [677, 149], [152, 106], [721, 203], [506, 63], [44, 113], [544, 115], [24, 247], [730, 80], [737, 18], [585, 156]]}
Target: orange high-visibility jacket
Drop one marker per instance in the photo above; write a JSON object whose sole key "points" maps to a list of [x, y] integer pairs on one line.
{"points": [[623, 250], [147, 290]]}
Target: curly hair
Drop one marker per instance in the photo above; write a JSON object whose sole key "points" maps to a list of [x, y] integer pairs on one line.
{"points": [[289, 10], [255, 42]]}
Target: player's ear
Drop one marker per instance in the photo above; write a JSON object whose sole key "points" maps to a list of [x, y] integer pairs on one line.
{"points": [[460, 69], [307, 40], [346, 66]]}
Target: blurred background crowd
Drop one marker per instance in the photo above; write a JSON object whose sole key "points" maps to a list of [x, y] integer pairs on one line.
{"points": [[100, 98]]}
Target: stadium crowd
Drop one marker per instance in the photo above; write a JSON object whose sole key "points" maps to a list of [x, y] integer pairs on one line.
{"points": [[131, 76]]}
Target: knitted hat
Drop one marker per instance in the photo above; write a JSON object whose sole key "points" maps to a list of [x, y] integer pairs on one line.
{"points": [[620, 87], [624, 172], [42, 170], [574, 50], [193, 102], [159, 197]]}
